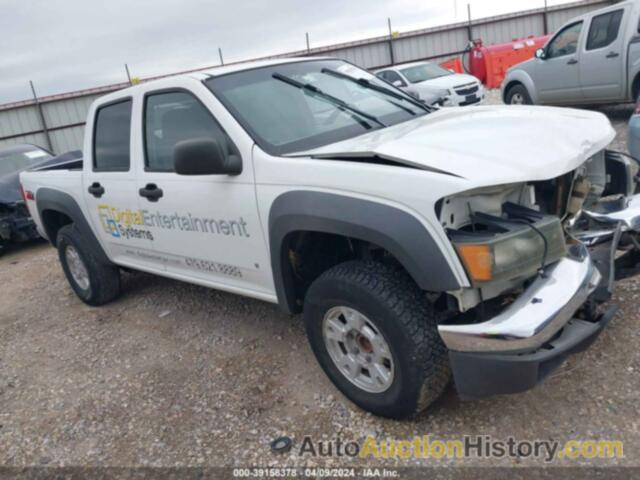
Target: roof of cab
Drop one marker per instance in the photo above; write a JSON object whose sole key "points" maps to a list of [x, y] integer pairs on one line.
{"points": [[594, 13], [239, 67], [205, 74]]}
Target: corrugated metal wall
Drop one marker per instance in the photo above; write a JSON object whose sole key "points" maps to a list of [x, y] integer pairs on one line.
{"points": [[428, 45], [64, 117]]}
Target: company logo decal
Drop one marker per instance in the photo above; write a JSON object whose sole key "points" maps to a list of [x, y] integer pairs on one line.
{"points": [[127, 223]]}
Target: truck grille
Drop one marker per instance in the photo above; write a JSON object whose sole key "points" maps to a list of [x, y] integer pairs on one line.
{"points": [[469, 89], [469, 102]]}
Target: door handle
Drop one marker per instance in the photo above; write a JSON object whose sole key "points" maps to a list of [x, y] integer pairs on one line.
{"points": [[612, 55], [96, 189], [573, 61], [151, 192]]}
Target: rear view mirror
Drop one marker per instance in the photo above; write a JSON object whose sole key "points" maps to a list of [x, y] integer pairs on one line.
{"points": [[540, 53], [397, 83], [204, 156]]}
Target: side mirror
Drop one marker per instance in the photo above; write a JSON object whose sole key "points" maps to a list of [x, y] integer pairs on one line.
{"points": [[397, 83], [204, 156], [540, 53]]}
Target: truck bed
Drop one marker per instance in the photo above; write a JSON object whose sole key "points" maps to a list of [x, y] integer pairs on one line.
{"points": [[63, 173], [67, 161]]}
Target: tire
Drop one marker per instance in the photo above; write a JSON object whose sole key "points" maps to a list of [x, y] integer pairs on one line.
{"points": [[518, 95], [99, 283], [395, 309]]}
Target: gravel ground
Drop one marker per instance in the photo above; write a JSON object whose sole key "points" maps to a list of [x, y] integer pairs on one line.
{"points": [[173, 374]]}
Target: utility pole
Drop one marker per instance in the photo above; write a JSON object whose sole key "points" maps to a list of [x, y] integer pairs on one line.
{"points": [[42, 120], [391, 56], [126, 67], [308, 45], [545, 19], [469, 29], [220, 54]]}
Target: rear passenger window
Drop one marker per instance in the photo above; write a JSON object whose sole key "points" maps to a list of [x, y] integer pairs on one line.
{"points": [[111, 139], [173, 117], [604, 29]]}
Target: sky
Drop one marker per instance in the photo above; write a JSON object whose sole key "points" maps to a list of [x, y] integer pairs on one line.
{"points": [[65, 45]]}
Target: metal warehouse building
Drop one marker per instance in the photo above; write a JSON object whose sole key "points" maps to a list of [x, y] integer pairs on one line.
{"points": [[57, 121]]}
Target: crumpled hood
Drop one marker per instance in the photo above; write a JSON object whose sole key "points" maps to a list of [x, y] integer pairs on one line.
{"points": [[446, 82], [10, 188], [10, 183], [490, 145]]}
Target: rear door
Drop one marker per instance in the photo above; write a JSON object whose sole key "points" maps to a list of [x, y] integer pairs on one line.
{"points": [[557, 75], [602, 67], [206, 228], [109, 182]]}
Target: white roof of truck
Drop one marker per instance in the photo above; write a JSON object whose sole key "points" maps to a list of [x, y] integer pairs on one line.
{"points": [[238, 67]]}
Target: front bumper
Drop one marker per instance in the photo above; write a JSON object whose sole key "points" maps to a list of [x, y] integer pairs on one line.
{"points": [[483, 374], [625, 212], [518, 348], [542, 310], [464, 101], [16, 225]]}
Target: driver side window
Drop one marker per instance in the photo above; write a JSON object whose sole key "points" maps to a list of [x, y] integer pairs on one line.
{"points": [[566, 42], [174, 116]]}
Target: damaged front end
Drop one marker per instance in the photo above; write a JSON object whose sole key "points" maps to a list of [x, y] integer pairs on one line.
{"points": [[541, 258], [15, 224], [610, 227]]}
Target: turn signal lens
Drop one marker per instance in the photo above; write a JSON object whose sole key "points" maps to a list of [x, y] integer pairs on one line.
{"points": [[26, 194], [478, 261]]}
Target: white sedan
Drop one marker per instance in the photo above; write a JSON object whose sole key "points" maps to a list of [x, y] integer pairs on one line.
{"points": [[432, 83]]}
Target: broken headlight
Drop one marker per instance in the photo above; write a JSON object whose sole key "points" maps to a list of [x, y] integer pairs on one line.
{"points": [[514, 245]]}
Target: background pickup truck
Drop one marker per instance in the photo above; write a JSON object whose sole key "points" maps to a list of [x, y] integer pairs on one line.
{"points": [[592, 59], [312, 184]]}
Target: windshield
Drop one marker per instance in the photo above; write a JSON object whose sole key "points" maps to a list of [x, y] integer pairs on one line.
{"points": [[299, 106], [426, 71], [15, 160]]}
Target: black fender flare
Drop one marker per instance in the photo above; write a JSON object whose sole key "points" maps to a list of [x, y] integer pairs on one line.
{"points": [[50, 199], [395, 230]]}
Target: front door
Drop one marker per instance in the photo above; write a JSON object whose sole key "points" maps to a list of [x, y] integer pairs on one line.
{"points": [[602, 64], [557, 75], [206, 227]]}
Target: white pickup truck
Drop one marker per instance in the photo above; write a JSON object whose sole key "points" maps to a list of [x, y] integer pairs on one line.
{"points": [[420, 244]]}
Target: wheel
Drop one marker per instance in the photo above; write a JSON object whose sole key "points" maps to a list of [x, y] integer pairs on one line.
{"points": [[375, 336], [94, 282], [518, 95]]}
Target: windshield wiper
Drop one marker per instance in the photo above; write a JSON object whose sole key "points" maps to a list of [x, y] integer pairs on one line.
{"points": [[367, 84], [341, 104], [360, 82]]}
